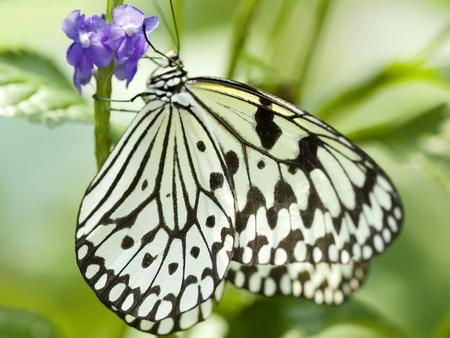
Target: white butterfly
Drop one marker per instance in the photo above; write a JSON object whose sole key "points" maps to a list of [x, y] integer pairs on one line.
{"points": [[215, 180]]}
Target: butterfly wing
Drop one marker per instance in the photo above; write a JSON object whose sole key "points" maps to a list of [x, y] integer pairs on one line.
{"points": [[304, 193], [180, 322], [154, 236], [324, 283]]}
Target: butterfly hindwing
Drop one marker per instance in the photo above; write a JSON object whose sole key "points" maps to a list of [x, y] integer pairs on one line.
{"points": [[155, 234], [304, 193], [324, 283]]}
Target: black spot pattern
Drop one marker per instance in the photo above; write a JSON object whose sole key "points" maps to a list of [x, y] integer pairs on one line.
{"points": [[173, 268], [232, 161], [307, 158], [201, 146], [148, 260], [255, 200], [215, 181], [127, 242], [210, 221], [144, 184], [195, 251], [267, 130], [261, 164], [283, 197]]}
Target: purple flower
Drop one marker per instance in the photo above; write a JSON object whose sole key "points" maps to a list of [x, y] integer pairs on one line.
{"points": [[128, 40], [96, 43], [90, 46]]}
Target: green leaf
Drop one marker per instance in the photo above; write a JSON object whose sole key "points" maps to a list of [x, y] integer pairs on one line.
{"points": [[438, 167], [443, 329], [269, 318], [388, 107], [24, 324], [423, 140], [407, 133], [32, 86], [434, 153], [394, 75]]}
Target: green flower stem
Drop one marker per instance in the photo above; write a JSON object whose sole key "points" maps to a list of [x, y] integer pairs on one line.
{"points": [[242, 24], [102, 108], [102, 114], [304, 65], [110, 5]]}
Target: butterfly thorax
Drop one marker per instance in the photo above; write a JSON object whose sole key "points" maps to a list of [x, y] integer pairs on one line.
{"points": [[168, 79]]}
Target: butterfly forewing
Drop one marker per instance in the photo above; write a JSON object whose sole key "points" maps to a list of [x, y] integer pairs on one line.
{"points": [[179, 322], [155, 232], [304, 193]]}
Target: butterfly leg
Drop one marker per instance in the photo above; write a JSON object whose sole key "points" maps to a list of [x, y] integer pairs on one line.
{"points": [[121, 110], [146, 96]]}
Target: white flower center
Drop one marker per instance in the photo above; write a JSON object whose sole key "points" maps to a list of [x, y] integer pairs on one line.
{"points": [[131, 29], [85, 40]]}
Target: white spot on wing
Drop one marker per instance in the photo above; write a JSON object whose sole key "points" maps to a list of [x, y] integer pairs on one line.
{"points": [[325, 191], [340, 181], [92, 270], [82, 251], [116, 292]]}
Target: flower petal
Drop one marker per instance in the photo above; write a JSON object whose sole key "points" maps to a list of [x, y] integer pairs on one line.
{"points": [[99, 53], [80, 79], [121, 52], [100, 56], [125, 50], [84, 66], [151, 23], [132, 48], [113, 37], [71, 24], [126, 71], [127, 15], [95, 24], [140, 46], [83, 72], [74, 53]]}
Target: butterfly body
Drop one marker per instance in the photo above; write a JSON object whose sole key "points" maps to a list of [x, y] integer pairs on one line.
{"points": [[215, 180]]}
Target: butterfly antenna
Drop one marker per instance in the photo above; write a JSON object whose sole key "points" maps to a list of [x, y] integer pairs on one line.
{"points": [[177, 34], [157, 51], [165, 22]]}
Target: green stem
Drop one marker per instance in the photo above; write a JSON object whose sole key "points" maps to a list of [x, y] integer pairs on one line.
{"points": [[285, 12], [305, 64], [240, 33], [110, 5], [102, 114], [102, 108]]}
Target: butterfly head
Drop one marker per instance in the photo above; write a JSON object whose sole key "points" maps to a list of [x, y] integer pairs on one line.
{"points": [[169, 77], [173, 60]]}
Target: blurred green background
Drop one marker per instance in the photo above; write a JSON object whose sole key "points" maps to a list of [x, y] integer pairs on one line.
{"points": [[377, 70]]}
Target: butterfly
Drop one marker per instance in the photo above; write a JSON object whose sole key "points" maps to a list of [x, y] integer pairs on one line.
{"points": [[217, 181]]}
